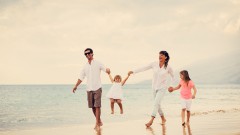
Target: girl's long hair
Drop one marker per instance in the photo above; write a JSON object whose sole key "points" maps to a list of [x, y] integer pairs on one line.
{"points": [[167, 57], [186, 77]]}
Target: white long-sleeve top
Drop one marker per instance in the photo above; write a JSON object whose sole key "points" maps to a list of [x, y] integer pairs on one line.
{"points": [[161, 75], [92, 72]]}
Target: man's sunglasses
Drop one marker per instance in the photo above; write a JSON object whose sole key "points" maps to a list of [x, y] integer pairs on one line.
{"points": [[87, 53]]}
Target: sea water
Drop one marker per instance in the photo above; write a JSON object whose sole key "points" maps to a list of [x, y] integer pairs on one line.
{"points": [[26, 106]]}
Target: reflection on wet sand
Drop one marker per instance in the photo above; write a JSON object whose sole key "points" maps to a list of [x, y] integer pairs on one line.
{"points": [[153, 132], [187, 126], [98, 131]]}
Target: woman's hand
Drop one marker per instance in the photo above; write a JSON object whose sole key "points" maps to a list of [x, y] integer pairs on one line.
{"points": [[130, 72]]}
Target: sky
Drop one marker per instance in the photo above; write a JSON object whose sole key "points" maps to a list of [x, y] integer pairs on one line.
{"points": [[42, 41]]}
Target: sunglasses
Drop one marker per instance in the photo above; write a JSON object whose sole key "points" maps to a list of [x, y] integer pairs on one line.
{"points": [[87, 53]]}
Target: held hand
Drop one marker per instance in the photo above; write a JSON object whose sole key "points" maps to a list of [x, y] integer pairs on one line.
{"points": [[170, 89], [74, 89], [130, 72], [193, 97], [108, 71]]}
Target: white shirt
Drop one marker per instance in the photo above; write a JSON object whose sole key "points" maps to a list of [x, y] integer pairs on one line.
{"points": [[92, 72], [160, 75]]}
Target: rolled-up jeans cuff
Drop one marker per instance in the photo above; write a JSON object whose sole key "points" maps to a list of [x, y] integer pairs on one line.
{"points": [[153, 115]]}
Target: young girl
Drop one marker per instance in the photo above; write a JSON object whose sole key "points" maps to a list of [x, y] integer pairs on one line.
{"points": [[186, 85], [115, 93]]}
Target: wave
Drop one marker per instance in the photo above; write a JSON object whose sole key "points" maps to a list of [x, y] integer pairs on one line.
{"points": [[215, 111]]}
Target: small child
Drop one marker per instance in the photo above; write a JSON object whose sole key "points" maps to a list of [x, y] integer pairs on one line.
{"points": [[186, 84], [115, 93]]}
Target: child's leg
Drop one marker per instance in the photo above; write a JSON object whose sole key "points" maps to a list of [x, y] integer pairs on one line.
{"points": [[183, 116], [119, 102], [189, 103], [112, 105], [188, 116]]}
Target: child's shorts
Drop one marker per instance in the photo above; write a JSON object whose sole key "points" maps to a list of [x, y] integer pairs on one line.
{"points": [[186, 103]]}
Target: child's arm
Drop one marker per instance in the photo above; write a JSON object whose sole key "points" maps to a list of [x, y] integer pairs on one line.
{"points": [[171, 89], [123, 82], [195, 92], [178, 87], [111, 79]]}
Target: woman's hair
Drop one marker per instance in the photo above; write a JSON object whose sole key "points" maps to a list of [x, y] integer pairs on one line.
{"points": [[167, 58], [185, 74], [117, 76]]}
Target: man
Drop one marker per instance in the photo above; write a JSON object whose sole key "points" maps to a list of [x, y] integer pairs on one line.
{"points": [[92, 71]]}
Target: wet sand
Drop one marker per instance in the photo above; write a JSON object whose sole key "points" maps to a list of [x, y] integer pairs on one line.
{"points": [[212, 124]]}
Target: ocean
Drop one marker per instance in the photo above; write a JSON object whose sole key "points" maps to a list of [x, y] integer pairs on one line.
{"points": [[27, 106]]}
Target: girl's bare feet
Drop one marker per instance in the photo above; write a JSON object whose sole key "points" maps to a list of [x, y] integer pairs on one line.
{"points": [[112, 112], [121, 111]]}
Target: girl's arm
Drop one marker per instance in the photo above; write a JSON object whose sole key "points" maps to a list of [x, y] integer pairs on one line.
{"points": [[178, 87], [195, 92], [111, 79], [171, 89], [123, 82]]}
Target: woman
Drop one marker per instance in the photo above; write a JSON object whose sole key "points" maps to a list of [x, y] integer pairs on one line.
{"points": [[161, 70]]}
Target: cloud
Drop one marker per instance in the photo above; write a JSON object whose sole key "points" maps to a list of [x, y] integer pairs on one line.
{"points": [[50, 36], [233, 26]]}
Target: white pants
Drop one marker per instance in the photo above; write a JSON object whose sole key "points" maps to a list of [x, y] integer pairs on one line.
{"points": [[186, 104], [158, 97]]}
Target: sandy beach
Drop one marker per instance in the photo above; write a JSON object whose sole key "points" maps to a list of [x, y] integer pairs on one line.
{"points": [[219, 123]]}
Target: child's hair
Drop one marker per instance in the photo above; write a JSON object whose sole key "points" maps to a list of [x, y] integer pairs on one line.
{"points": [[117, 76], [185, 74]]}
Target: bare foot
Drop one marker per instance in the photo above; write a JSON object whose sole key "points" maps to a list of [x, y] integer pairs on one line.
{"points": [[112, 112], [100, 124], [97, 127], [149, 124], [121, 112]]}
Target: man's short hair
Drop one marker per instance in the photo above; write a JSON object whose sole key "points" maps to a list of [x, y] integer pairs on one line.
{"points": [[91, 51]]}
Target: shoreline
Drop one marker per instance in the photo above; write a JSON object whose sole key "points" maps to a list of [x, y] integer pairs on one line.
{"points": [[214, 124]]}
